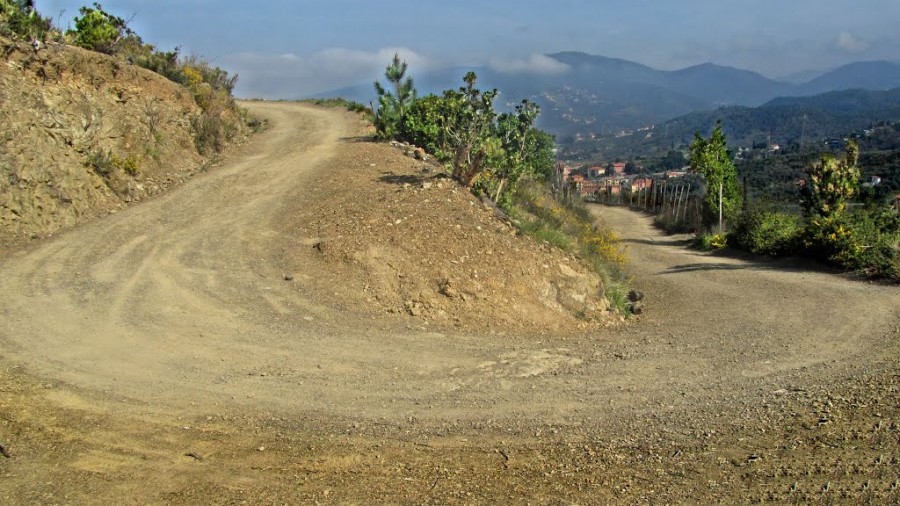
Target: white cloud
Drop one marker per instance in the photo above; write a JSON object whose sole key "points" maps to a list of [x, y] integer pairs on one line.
{"points": [[291, 75], [849, 43], [534, 64]]}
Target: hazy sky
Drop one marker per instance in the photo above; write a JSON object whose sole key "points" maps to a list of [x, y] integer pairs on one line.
{"points": [[291, 49]]}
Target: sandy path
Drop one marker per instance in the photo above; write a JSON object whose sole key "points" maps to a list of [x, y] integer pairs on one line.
{"points": [[752, 318], [178, 306]]}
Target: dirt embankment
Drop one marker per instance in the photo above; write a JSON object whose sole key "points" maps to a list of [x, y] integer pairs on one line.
{"points": [[392, 235], [84, 134]]}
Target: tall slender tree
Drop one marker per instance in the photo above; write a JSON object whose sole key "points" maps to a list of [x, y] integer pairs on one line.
{"points": [[710, 158], [470, 127]]}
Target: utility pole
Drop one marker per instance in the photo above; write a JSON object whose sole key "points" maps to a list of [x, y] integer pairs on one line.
{"points": [[720, 207], [802, 132], [721, 184]]}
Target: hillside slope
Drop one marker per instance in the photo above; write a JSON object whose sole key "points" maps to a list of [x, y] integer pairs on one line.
{"points": [[84, 134]]}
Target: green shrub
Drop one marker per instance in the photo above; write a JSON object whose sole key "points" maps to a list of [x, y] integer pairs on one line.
{"points": [[672, 226], [254, 123], [211, 87], [106, 164], [209, 133], [350, 105], [19, 19], [767, 232], [98, 30], [867, 241], [426, 125], [164, 63], [708, 241], [617, 295], [393, 102]]}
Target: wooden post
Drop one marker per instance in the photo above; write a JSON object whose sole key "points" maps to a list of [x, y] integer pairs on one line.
{"points": [[678, 202], [662, 200]]}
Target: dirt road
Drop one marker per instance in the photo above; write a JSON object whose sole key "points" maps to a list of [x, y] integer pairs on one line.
{"points": [[161, 355]]}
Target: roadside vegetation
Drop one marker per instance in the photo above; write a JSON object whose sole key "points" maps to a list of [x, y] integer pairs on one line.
{"points": [[569, 226], [219, 120], [501, 157], [834, 225], [19, 19], [341, 103]]}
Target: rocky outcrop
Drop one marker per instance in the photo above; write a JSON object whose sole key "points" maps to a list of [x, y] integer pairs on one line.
{"points": [[83, 134]]}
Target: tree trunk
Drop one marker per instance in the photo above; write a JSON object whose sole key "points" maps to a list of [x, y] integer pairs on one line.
{"points": [[499, 190]]}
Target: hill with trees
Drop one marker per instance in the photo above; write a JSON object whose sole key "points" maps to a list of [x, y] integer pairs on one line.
{"points": [[94, 118]]}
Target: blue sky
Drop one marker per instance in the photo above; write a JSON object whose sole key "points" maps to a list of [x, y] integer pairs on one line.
{"points": [[291, 49]]}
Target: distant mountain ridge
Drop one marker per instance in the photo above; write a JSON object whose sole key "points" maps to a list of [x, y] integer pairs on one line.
{"points": [[869, 75], [806, 121], [602, 95], [796, 119]]}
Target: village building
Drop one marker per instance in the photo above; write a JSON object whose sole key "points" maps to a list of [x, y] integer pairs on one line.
{"points": [[641, 183]]}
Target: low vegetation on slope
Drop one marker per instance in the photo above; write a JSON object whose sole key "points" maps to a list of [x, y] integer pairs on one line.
{"points": [[95, 118]]}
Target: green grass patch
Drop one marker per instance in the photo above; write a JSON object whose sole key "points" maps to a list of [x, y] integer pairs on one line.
{"points": [[571, 227]]}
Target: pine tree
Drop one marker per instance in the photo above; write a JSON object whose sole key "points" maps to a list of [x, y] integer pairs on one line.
{"points": [[393, 104]]}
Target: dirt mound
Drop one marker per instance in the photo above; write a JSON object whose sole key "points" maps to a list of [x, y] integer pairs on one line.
{"points": [[394, 235], [84, 134]]}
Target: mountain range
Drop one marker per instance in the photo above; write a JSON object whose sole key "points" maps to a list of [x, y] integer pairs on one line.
{"points": [[801, 121], [600, 95]]}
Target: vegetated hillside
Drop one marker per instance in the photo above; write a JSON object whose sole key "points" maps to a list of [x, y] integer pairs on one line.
{"points": [[83, 134], [773, 178], [785, 121], [603, 96]]}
